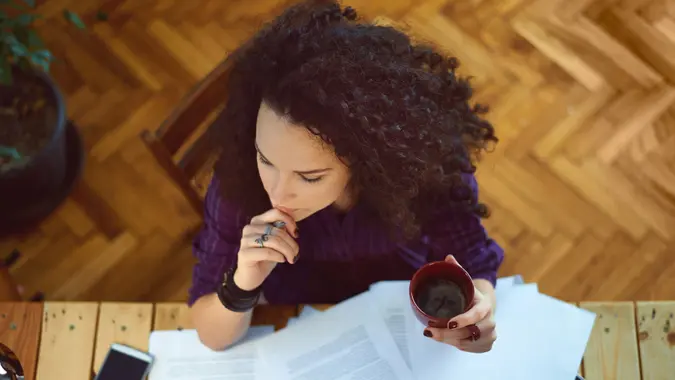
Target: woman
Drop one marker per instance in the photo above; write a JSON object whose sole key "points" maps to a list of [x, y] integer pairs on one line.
{"points": [[347, 159]]}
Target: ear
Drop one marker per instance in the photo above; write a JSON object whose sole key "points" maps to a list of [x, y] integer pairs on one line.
{"points": [[451, 259]]}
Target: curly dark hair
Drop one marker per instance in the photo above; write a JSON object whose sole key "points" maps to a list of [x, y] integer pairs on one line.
{"points": [[394, 110]]}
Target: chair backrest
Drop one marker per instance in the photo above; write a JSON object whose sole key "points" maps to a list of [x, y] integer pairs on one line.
{"points": [[181, 145], [9, 289]]}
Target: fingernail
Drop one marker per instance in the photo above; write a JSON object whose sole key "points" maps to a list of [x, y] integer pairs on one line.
{"points": [[452, 325], [295, 259], [297, 232], [428, 333]]}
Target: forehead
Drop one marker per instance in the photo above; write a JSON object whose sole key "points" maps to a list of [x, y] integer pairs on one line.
{"points": [[290, 145]]}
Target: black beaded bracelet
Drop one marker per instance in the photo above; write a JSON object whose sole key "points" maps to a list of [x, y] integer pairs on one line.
{"points": [[234, 298]]}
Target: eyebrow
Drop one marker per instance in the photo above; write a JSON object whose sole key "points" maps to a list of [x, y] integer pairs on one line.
{"points": [[315, 171]]}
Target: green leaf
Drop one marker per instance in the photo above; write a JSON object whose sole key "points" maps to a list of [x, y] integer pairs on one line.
{"points": [[29, 38], [16, 47], [44, 54], [74, 19], [34, 40], [9, 152], [25, 19], [42, 58]]}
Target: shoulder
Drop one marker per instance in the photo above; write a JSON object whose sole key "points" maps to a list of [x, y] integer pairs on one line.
{"points": [[456, 208]]}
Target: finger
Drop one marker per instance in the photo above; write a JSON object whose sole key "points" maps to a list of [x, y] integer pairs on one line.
{"points": [[451, 337], [274, 215], [481, 335], [273, 242], [464, 333], [451, 259], [259, 229], [476, 314], [481, 330], [256, 255], [484, 344], [474, 347]]}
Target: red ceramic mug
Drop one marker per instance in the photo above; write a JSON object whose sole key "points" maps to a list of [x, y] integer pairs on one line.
{"points": [[439, 270]]}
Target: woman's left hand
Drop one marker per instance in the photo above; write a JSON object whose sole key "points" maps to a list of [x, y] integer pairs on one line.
{"points": [[473, 331]]}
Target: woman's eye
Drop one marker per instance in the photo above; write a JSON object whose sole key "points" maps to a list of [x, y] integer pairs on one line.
{"points": [[311, 180], [264, 161]]}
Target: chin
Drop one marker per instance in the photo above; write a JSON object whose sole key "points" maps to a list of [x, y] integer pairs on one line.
{"points": [[300, 215], [303, 214]]}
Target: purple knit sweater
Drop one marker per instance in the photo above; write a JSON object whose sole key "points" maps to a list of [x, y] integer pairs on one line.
{"points": [[341, 255]]}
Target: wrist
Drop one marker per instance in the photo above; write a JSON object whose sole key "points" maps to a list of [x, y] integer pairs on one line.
{"points": [[243, 282], [235, 298]]}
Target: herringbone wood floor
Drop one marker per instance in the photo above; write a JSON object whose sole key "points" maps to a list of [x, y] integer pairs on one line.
{"points": [[582, 93]]}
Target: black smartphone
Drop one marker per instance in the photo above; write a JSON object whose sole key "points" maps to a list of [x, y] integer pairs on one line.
{"points": [[124, 362]]}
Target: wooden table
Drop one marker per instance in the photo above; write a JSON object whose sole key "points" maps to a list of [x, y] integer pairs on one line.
{"points": [[67, 340]]}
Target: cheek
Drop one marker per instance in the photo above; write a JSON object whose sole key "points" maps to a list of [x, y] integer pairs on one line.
{"points": [[321, 194], [266, 175]]}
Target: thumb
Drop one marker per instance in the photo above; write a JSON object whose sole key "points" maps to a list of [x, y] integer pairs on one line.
{"points": [[451, 259]]}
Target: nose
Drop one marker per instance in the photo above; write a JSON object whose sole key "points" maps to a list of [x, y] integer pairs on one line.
{"points": [[282, 191]]}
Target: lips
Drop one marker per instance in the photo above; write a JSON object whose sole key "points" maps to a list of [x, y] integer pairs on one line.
{"points": [[285, 210]]}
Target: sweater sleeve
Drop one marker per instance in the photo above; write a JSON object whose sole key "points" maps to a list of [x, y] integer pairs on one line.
{"points": [[462, 234], [216, 245]]}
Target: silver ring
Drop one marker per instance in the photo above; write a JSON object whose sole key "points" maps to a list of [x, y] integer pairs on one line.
{"points": [[262, 239], [279, 224], [268, 230]]}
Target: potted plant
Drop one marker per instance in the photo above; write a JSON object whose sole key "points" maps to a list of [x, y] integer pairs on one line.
{"points": [[40, 152]]}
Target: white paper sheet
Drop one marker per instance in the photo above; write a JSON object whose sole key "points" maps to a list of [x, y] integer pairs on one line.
{"points": [[307, 311], [375, 336], [538, 337], [347, 341], [507, 282], [393, 302], [180, 355]]}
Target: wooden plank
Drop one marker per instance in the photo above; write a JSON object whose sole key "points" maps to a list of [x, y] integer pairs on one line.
{"points": [[656, 338], [172, 316], [612, 351], [20, 326], [125, 323], [67, 342], [580, 370]]}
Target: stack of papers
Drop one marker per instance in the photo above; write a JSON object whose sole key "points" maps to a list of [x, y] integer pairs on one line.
{"points": [[375, 336]]}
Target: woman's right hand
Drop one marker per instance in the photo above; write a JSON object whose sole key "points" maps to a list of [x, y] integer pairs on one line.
{"points": [[255, 263]]}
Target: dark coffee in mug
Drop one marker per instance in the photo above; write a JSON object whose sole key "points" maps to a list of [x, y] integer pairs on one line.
{"points": [[440, 298]]}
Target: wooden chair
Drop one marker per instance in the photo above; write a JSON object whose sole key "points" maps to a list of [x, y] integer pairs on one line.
{"points": [[181, 145], [9, 289]]}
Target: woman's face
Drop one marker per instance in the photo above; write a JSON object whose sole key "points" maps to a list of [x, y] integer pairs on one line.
{"points": [[300, 173]]}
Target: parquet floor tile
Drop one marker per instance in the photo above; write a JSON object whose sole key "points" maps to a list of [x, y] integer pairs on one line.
{"points": [[582, 94]]}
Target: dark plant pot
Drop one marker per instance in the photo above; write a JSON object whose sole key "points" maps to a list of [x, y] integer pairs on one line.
{"points": [[31, 192]]}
